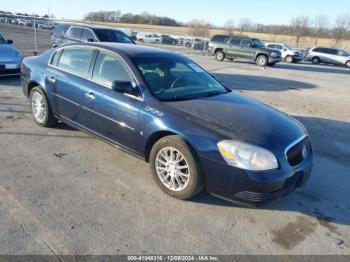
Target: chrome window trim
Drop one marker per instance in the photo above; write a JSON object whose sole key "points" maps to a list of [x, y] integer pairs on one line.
{"points": [[295, 142], [141, 98]]}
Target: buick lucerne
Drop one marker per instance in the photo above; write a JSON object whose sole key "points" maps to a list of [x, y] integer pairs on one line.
{"points": [[164, 108]]}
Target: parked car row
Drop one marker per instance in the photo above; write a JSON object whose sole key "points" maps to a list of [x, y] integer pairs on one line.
{"points": [[268, 54], [39, 23]]}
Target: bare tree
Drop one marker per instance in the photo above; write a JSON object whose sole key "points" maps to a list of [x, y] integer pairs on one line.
{"points": [[198, 28], [244, 25], [230, 26], [320, 25], [341, 28], [300, 28]]}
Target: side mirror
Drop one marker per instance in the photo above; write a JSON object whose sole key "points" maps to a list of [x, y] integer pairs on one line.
{"points": [[125, 87], [10, 42]]}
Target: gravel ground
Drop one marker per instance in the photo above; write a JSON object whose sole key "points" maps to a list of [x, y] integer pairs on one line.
{"points": [[64, 192]]}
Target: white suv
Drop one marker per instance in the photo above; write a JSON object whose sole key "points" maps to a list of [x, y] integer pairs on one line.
{"points": [[288, 54], [329, 56], [148, 38]]}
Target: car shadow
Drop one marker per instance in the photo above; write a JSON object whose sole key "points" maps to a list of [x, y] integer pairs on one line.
{"points": [[260, 83], [320, 68], [11, 81], [326, 195]]}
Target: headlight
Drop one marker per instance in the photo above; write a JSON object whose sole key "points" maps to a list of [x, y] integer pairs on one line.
{"points": [[274, 54], [246, 156]]}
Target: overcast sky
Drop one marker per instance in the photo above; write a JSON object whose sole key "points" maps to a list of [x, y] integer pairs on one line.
{"points": [[213, 11]]}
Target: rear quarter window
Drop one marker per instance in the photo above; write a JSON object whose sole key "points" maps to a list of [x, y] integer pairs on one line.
{"points": [[74, 33], [220, 38]]}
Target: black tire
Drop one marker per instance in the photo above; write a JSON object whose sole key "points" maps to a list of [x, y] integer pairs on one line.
{"points": [[289, 59], [220, 55], [195, 183], [347, 64], [262, 60], [315, 60], [49, 119]]}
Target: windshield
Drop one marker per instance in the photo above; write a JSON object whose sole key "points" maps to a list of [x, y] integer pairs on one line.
{"points": [[2, 40], [110, 35], [259, 43], [288, 47], [171, 79]]}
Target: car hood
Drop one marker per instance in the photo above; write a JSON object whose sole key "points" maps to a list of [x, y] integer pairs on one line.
{"points": [[8, 53], [237, 117]]}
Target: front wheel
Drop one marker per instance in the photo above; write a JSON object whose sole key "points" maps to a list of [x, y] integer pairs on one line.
{"points": [[41, 111], [315, 60], [261, 60], [175, 168], [289, 59], [220, 56]]}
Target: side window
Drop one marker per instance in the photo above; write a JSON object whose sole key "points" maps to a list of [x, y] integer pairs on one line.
{"points": [[76, 61], [235, 41], [247, 42], [271, 46], [86, 35], [279, 47], [108, 69], [74, 33], [333, 51]]}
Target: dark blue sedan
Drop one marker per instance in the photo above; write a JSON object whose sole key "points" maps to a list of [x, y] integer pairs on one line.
{"points": [[164, 108]]}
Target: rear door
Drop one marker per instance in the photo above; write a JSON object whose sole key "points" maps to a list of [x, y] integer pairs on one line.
{"points": [[112, 115], [66, 79], [233, 47]]}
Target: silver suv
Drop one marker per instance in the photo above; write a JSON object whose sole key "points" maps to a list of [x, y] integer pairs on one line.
{"points": [[329, 56]]}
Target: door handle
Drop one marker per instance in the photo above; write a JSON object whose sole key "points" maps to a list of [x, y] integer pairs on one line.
{"points": [[90, 95], [51, 79]]}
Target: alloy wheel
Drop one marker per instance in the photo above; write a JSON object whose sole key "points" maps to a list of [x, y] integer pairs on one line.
{"points": [[172, 169], [38, 107]]}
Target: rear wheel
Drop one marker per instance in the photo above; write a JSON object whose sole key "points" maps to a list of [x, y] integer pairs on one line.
{"points": [[261, 60], [347, 64], [315, 60], [175, 169], [289, 59], [220, 56], [41, 111]]}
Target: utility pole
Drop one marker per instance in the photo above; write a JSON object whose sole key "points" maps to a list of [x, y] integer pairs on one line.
{"points": [[35, 40]]}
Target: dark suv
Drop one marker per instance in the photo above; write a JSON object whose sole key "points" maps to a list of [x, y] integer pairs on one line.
{"points": [[231, 47], [84, 33]]}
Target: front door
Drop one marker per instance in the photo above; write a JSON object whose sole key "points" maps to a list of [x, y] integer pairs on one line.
{"points": [[247, 49], [112, 115]]}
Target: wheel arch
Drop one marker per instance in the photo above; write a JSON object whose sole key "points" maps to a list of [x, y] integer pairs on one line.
{"points": [[218, 49], [156, 136], [261, 53], [31, 85]]}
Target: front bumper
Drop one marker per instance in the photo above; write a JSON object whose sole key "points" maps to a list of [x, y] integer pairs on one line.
{"points": [[255, 188], [274, 60]]}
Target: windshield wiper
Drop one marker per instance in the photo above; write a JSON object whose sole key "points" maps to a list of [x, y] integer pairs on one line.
{"points": [[213, 93]]}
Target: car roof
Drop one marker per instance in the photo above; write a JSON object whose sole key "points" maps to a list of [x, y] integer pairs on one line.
{"points": [[130, 50], [92, 27]]}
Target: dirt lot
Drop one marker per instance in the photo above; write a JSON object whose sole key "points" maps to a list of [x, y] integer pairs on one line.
{"points": [[64, 192]]}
